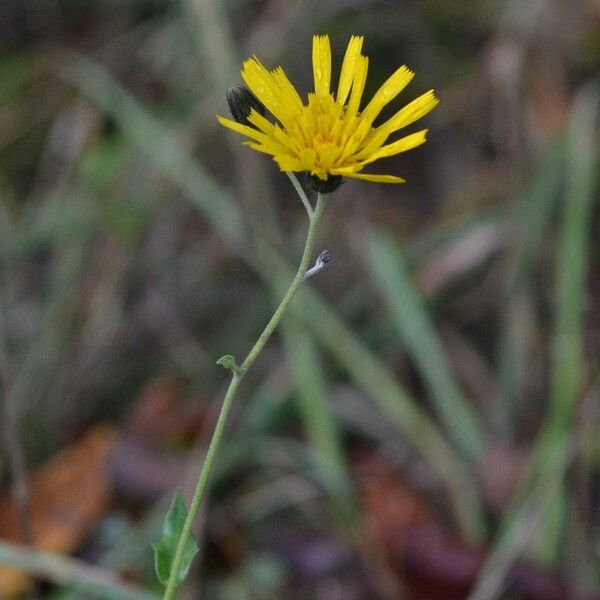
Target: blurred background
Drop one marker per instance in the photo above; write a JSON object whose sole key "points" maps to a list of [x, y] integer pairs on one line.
{"points": [[425, 422]]}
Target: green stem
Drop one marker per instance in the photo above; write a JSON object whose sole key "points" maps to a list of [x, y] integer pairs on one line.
{"points": [[238, 375], [300, 190]]}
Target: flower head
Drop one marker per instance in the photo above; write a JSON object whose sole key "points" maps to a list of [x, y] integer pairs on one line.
{"points": [[330, 137]]}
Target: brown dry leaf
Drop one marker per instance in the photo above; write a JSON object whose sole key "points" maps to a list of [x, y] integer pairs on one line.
{"points": [[390, 505], [141, 473], [160, 414], [432, 563], [155, 411], [548, 103], [69, 493]]}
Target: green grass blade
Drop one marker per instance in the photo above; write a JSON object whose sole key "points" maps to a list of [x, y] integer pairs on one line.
{"points": [[370, 375], [572, 263], [533, 216], [321, 428], [16, 72], [522, 526], [549, 461], [70, 572], [423, 345], [160, 145], [568, 363]]}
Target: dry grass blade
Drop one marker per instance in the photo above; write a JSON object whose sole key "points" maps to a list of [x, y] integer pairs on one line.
{"points": [[69, 572]]}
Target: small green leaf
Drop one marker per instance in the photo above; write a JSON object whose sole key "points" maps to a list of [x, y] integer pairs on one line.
{"points": [[166, 545], [228, 362]]}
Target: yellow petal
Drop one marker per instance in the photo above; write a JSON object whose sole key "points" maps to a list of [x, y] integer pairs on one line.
{"points": [[402, 145], [358, 85], [307, 158], [261, 122], [387, 92], [411, 112], [375, 141], [266, 148], [288, 91], [273, 132], [321, 56], [259, 136], [287, 141], [266, 88], [288, 163], [348, 68], [376, 178]]}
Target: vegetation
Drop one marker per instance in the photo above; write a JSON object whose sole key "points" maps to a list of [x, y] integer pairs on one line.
{"points": [[423, 423]]}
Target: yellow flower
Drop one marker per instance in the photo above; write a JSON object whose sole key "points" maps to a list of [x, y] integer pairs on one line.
{"points": [[330, 136]]}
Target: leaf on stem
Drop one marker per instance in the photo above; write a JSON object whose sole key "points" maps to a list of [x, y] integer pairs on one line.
{"points": [[228, 362], [166, 545]]}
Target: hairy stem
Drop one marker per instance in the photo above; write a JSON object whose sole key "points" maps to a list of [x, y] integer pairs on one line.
{"points": [[301, 193], [236, 379]]}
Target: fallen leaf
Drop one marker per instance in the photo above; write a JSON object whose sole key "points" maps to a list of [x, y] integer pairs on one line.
{"points": [[432, 563], [68, 494]]}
